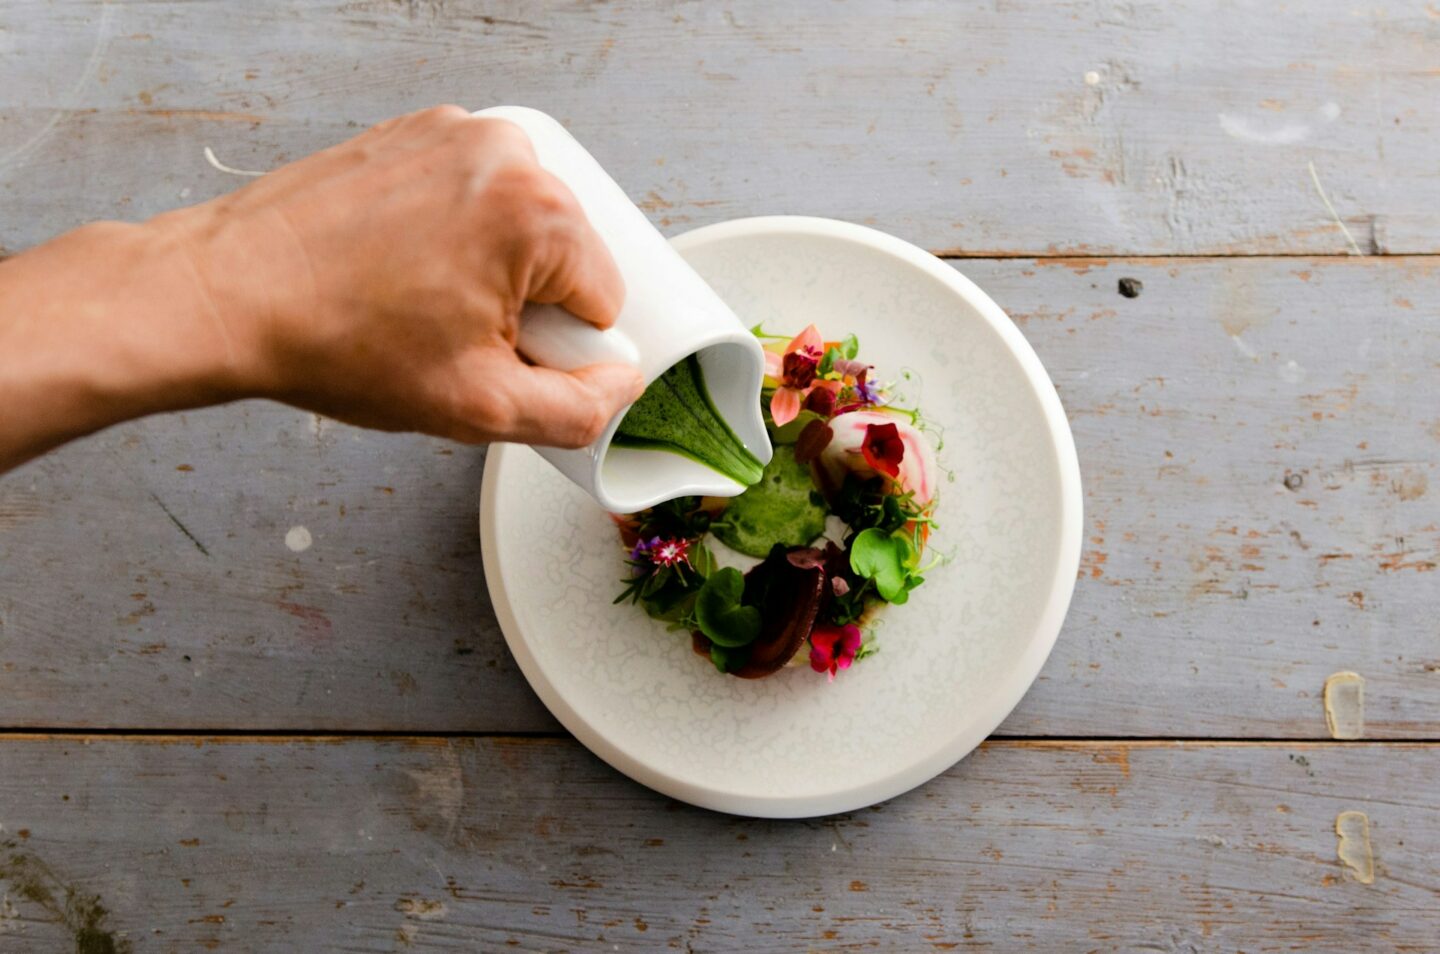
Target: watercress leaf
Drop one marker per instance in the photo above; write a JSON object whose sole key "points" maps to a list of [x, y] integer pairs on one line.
{"points": [[719, 613], [723, 660], [884, 558], [827, 362], [851, 346]]}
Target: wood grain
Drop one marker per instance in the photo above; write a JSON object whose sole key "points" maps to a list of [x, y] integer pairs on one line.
{"points": [[145, 579], [1010, 128], [363, 845]]}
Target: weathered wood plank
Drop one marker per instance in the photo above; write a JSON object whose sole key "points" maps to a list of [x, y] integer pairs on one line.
{"points": [[1213, 601], [1143, 128], [327, 845], [1260, 445]]}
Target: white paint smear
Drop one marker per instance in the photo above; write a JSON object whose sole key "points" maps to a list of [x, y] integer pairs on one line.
{"points": [[1292, 373], [1247, 130], [1092, 78], [298, 539], [1239, 127], [1242, 347]]}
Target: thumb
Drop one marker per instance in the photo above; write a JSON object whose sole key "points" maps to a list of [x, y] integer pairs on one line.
{"points": [[563, 408]]}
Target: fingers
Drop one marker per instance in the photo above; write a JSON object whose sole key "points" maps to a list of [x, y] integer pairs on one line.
{"points": [[573, 268], [535, 405]]}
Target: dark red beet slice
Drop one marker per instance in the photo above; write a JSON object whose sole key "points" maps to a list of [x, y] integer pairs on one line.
{"points": [[789, 598]]}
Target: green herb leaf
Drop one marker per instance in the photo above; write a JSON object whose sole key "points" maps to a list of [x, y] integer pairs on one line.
{"points": [[827, 362], [851, 346], [886, 558], [720, 615], [656, 582], [702, 561], [726, 660]]}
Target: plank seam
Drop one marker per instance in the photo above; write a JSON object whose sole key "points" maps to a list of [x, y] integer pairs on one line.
{"points": [[14, 734]]}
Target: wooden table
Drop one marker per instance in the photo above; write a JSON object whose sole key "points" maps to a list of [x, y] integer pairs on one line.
{"points": [[215, 740]]}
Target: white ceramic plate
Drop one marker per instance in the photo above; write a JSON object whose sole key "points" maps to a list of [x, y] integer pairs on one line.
{"points": [[953, 661]]}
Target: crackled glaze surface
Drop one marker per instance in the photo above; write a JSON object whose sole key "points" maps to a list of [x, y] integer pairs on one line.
{"points": [[949, 661]]}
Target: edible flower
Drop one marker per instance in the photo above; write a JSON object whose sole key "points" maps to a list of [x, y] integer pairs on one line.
{"points": [[883, 449], [794, 373], [670, 552], [662, 551], [833, 648], [642, 547], [865, 391], [864, 442]]}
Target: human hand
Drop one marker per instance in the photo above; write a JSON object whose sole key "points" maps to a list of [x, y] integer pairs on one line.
{"points": [[381, 281]]}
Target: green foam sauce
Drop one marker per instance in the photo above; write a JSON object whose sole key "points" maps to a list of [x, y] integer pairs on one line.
{"points": [[781, 508], [675, 414]]}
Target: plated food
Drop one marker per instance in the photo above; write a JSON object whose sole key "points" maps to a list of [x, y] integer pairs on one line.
{"points": [[834, 528]]}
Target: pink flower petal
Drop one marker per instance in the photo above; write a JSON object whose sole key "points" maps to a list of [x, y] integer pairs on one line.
{"points": [[822, 650], [774, 365], [809, 340], [784, 406]]}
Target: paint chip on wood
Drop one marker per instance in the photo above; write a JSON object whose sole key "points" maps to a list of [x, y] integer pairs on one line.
{"points": [[230, 170], [298, 539], [1345, 705], [1353, 849]]}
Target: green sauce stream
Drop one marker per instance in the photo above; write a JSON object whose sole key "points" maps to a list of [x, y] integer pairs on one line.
{"points": [[676, 414]]}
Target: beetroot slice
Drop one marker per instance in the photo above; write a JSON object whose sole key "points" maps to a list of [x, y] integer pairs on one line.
{"points": [[789, 598]]}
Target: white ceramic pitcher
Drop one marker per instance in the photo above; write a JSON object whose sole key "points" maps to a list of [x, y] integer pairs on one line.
{"points": [[669, 314]]}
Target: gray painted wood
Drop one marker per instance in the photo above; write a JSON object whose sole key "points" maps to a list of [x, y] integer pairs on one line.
{"points": [[1213, 599], [1111, 127], [1260, 446], [323, 845]]}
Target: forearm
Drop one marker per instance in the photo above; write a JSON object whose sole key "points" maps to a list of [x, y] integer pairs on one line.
{"points": [[107, 323], [379, 282]]}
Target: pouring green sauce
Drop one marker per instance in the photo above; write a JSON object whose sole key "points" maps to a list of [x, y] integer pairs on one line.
{"points": [[675, 414]]}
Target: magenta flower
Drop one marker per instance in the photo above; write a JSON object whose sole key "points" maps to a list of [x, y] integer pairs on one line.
{"points": [[669, 552], [833, 648]]}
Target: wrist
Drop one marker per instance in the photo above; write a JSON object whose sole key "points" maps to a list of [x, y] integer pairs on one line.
{"points": [[209, 306]]}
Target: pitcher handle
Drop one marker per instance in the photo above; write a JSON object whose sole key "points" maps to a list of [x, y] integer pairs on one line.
{"points": [[552, 337]]}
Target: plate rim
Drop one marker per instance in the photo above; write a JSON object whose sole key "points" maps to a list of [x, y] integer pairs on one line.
{"points": [[1022, 673]]}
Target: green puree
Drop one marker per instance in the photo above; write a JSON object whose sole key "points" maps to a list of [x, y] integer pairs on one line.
{"points": [[781, 508], [676, 414]]}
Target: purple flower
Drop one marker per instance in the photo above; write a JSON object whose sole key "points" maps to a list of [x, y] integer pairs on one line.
{"points": [[642, 547], [866, 391]]}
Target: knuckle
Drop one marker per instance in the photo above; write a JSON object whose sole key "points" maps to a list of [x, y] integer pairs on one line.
{"points": [[539, 206], [501, 132], [589, 428], [498, 417], [443, 114]]}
